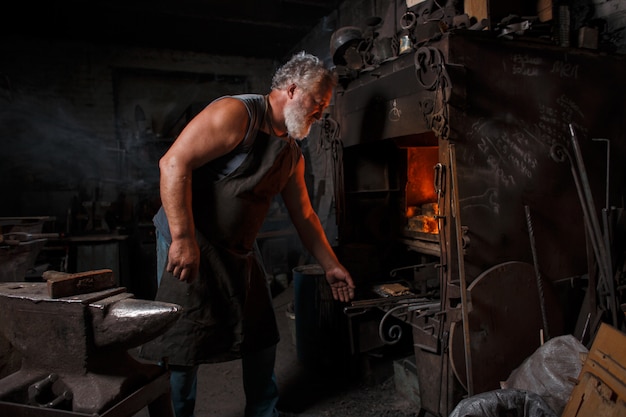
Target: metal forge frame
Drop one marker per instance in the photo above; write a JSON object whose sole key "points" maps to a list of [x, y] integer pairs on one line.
{"points": [[514, 260]]}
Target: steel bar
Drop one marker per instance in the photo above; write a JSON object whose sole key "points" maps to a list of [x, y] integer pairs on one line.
{"points": [[459, 245], [604, 259], [533, 247]]}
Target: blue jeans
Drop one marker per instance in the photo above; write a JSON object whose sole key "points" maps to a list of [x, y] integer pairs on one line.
{"points": [[259, 385], [259, 379]]}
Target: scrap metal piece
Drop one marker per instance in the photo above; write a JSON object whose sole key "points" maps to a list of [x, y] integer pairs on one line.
{"points": [[515, 28], [25, 237]]}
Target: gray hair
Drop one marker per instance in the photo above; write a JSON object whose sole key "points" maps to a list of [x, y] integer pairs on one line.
{"points": [[304, 70]]}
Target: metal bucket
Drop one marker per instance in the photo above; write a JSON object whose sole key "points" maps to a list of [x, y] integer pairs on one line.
{"points": [[312, 299]]}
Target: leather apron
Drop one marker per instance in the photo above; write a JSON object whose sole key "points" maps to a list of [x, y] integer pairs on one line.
{"points": [[228, 308]]}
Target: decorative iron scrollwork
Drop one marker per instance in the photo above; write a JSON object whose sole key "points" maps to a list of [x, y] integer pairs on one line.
{"points": [[391, 334], [431, 74]]}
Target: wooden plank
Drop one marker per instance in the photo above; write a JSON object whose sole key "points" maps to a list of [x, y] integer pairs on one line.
{"points": [[601, 387], [476, 8], [544, 10]]}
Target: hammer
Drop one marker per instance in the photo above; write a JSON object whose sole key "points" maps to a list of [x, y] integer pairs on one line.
{"points": [[63, 284]]}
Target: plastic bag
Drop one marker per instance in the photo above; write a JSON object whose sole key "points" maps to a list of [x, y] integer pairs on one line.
{"points": [[550, 372], [503, 403]]}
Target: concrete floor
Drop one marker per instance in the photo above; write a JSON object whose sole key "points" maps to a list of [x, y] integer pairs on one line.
{"points": [[306, 391]]}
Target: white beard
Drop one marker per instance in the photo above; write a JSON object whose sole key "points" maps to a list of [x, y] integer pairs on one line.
{"points": [[298, 127]]}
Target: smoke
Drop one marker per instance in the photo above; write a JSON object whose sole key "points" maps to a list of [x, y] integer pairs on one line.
{"points": [[56, 152]]}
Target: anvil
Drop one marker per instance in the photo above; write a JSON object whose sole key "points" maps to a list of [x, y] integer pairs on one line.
{"points": [[75, 349]]}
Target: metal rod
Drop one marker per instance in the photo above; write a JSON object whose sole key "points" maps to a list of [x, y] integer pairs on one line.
{"points": [[607, 232], [591, 209], [590, 233], [608, 170], [542, 301], [611, 281], [456, 212], [604, 259]]}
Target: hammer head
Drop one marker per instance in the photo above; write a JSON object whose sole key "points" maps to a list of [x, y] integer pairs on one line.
{"points": [[62, 284]]}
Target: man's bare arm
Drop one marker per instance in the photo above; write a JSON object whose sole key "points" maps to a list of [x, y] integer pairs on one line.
{"points": [[215, 131], [312, 234]]}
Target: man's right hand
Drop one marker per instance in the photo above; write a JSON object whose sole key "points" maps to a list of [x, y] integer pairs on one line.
{"points": [[184, 259]]}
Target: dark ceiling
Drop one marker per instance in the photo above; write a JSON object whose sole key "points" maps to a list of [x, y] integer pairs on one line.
{"points": [[251, 28]]}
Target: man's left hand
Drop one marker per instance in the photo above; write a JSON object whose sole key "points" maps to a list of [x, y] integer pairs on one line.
{"points": [[341, 284]]}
